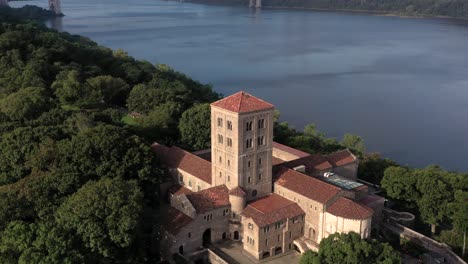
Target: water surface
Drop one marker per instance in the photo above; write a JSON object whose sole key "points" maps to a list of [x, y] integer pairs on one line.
{"points": [[402, 84]]}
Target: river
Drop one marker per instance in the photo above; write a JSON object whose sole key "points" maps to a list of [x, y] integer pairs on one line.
{"points": [[400, 83]]}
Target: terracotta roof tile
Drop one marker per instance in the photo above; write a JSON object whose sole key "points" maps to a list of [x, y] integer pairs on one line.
{"points": [[277, 161], [313, 163], [346, 208], [271, 209], [175, 221], [341, 158], [237, 192], [209, 199], [175, 157], [292, 151], [242, 102], [305, 185], [178, 190]]}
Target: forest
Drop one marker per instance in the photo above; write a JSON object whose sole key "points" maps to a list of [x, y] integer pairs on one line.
{"points": [[78, 179]]}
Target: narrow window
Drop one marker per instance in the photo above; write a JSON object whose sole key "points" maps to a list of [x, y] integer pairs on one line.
{"points": [[260, 161], [220, 160], [220, 122], [229, 178], [261, 123], [249, 180], [261, 141], [248, 163], [189, 235], [198, 188], [248, 126], [220, 174], [220, 139], [190, 183], [229, 125], [259, 176], [229, 163]]}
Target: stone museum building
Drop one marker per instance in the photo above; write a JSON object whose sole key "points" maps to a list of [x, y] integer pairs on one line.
{"points": [[268, 196]]}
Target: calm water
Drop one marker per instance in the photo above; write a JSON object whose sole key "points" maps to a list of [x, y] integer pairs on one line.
{"points": [[402, 84]]}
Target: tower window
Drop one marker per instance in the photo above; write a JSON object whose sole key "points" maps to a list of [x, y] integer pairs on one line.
{"points": [[260, 161], [198, 188], [261, 123], [249, 180], [220, 174], [220, 160], [220, 122], [229, 142], [248, 143], [259, 176], [229, 163], [248, 163], [261, 140], [229, 125], [229, 178], [248, 126], [220, 139], [190, 183]]}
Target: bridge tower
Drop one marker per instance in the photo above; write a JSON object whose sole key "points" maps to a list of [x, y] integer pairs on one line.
{"points": [[3, 2], [55, 5], [255, 3]]}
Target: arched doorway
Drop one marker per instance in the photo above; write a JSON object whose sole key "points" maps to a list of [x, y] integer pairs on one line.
{"points": [[312, 233], [278, 250], [181, 250], [236, 235], [224, 235], [265, 255], [207, 237]]}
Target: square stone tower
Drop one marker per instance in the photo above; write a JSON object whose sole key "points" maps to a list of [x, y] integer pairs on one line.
{"points": [[241, 144]]}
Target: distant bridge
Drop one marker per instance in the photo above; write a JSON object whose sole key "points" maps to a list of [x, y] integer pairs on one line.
{"points": [[54, 5], [255, 3]]}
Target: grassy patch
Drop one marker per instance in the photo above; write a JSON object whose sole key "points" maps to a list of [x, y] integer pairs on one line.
{"points": [[127, 119]]}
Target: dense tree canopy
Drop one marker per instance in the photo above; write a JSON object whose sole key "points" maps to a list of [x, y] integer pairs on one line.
{"points": [[77, 183], [195, 128]]}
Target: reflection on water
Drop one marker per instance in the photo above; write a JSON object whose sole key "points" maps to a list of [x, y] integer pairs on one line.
{"points": [[56, 23], [402, 84]]}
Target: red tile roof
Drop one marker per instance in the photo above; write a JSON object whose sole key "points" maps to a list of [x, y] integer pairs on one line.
{"points": [[346, 208], [178, 190], [237, 192], [270, 209], [175, 157], [276, 161], [341, 158], [290, 150], [313, 163], [307, 186], [242, 102], [175, 221], [209, 199]]}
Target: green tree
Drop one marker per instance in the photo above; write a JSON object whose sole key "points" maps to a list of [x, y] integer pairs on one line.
{"points": [[400, 183], [309, 257], [351, 249], [27, 103], [195, 127], [68, 87], [353, 142], [372, 167], [105, 214], [108, 89], [459, 209]]}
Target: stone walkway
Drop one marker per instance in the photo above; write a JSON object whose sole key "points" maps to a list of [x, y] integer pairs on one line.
{"points": [[234, 251]]}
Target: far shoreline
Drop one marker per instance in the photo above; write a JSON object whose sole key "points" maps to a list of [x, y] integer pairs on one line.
{"points": [[352, 11]]}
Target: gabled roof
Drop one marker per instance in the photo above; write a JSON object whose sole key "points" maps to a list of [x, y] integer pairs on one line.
{"points": [[313, 163], [292, 151], [175, 221], [242, 102], [346, 208], [237, 192], [209, 199], [341, 158], [271, 209], [175, 157], [177, 189], [305, 185]]}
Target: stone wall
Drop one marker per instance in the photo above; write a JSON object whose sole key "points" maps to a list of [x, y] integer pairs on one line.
{"points": [[426, 242]]}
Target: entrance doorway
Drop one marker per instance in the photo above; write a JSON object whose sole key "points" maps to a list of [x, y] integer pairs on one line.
{"points": [[224, 235], [236, 235], [207, 237], [181, 250]]}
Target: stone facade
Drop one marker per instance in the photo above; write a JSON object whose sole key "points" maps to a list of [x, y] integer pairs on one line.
{"points": [[237, 193]]}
